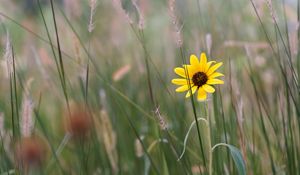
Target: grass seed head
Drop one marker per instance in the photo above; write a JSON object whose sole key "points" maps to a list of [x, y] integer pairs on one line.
{"points": [[79, 124], [31, 152]]}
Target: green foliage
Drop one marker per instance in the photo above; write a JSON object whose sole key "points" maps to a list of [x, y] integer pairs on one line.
{"points": [[237, 158], [117, 79]]}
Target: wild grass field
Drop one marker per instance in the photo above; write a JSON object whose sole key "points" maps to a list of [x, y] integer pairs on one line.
{"points": [[91, 87]]}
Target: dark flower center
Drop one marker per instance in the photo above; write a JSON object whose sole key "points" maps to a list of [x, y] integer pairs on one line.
{"points": [[199, 79]]}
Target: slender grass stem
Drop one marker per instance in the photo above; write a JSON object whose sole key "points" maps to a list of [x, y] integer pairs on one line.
{"points": [[286, 142], [194, 108], [283, 73], [298, 35], [262, 123], [224, 127], [12, 107], [140, 38], [289, 119], [50, 40], [209, 139], [15, 91], [140, 140], [49, 141], [184, 164], [290, 129], [147, 69], [61, 64], [41, 38]]}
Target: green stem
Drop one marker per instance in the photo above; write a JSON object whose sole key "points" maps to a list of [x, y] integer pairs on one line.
{"points": [[209, 140], [219, 144]]}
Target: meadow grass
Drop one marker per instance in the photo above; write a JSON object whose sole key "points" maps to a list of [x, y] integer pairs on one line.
{"points": [[86, 87]]}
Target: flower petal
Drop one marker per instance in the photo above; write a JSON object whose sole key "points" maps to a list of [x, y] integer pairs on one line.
{"points": [[180, 71], [215, 75], [203, 61], [213, 68], [208, 66], [208, 88], [214, 81], [188, 94], [179, 81], [182, 88], [201, 94], [190, 69], [194, 60]]}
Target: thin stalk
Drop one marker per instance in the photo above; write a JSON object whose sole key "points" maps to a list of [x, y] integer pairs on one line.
{"points": [[87, 82], [298, 34], [150, 60], [209, 140], [290, 128], [88, 64], [286, 28], [12, 107], [286, 142], [41, 38], [283, 73], [39, 121], [262, 122], [298, 70], [224, 127], [231, 103], [289, 119], [15, 92], [58, 44], [147, 68], [194, 109], [49, 38], [139, 138], [253, 143], [184, 164], [286, 46], [60, 57], [87, 73], [13, 113]]}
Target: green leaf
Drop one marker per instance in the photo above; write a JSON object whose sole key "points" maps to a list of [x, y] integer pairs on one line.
{"points": [[236, 156], [238, 159]]}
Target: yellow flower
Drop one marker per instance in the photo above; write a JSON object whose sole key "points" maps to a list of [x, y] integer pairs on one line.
{"points": [[198, 76]]}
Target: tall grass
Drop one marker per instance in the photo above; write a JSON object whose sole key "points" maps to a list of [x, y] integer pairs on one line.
{"points": [[102, 98]]}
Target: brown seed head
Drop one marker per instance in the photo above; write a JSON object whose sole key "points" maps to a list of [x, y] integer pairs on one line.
{"points": [[79, 124], [31, 152]]}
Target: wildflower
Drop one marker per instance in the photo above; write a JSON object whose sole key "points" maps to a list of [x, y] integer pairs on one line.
{"points": [[199, 75]]}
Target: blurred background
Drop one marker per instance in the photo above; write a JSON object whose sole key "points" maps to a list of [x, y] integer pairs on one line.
{"points": [[100, 101]]}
